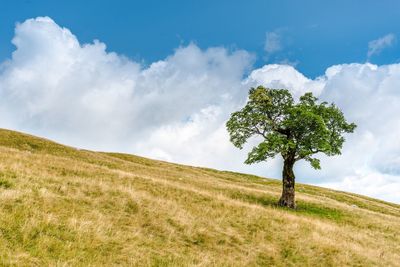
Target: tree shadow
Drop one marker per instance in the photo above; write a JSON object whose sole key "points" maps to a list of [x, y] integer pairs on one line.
{"points": [[304, 208]]}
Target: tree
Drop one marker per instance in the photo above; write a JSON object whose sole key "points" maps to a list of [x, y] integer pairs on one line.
{"points": [[296, 131]]}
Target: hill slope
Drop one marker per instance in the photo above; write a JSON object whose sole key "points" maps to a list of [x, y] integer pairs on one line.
{"points": [[63, 206]]}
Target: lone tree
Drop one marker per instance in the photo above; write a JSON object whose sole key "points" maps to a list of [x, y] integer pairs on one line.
{"points": [[295, 130]]}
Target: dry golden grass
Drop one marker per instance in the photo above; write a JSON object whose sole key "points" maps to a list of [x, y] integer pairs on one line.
{"points": [[60, 206]]}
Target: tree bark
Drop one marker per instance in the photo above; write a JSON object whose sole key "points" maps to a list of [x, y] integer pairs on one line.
{"points": [[288, 194]]}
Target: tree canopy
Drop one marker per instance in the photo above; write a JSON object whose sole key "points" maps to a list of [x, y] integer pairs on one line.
{"points": [[291, 129]]}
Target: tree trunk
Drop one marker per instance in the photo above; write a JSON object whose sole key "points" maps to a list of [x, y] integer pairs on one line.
{"points": [[287, 199]]}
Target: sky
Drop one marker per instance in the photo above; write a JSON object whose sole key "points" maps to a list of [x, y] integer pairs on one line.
{"points": [[314, 34], [160, 78]]}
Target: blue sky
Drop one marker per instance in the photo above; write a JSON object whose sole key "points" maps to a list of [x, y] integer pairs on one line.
{"points": [[313, 34]]}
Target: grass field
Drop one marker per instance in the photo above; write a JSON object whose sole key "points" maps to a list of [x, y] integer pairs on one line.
{"points": [[60, 206]]}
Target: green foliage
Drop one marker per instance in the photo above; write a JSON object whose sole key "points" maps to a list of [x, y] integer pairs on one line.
{"points": [[294, 130]]}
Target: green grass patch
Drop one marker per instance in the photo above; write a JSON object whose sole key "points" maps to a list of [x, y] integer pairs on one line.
{"points": [[321, 211], [5, 183]]}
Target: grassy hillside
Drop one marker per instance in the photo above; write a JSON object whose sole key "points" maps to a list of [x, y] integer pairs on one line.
{"points": [[61, 206]]}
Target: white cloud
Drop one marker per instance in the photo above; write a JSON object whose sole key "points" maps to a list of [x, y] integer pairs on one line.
{"points": [[371, 183], [273, 42], [81, 94], [284, 76], [376, 46], [176, 108]]}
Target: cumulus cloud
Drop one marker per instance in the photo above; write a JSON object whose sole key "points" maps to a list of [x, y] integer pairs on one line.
{"points": [[376, 46], [176, 108], [54, 85], [284, 76]]}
